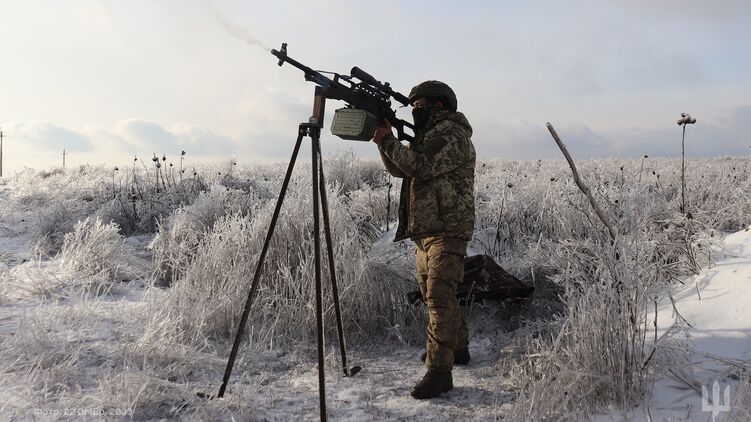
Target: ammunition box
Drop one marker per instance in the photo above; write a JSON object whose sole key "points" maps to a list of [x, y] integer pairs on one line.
{"points": [[354, 124]]}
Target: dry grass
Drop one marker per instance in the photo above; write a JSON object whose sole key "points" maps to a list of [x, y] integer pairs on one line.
{"points": [[181, 234], [96, 250], [594, 355], [208, 296]]}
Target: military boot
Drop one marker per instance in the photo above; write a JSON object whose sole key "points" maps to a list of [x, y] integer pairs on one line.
{"points": [[433, 384], [461, 356]]}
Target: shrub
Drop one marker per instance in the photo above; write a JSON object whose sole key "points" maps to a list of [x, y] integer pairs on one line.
{"points": [[207, 300], [96, 250], [181, 234]]}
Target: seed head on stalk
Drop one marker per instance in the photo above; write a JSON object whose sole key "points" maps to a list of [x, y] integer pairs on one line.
{"points": [[684, 121]]}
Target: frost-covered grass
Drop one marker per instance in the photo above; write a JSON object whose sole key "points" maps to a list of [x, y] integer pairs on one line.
{"points": [[593, 355], [96, 250], [210, 290], [158, 323]]}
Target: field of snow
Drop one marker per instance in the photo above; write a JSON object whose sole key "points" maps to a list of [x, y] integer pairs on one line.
{"points": [[714, 305], [120, 293], [715, 335]]}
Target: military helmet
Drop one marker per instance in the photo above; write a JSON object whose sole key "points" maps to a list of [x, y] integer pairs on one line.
{"points": [[434, 89]]}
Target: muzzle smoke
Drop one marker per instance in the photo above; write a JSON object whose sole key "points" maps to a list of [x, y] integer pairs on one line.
{"points": [[240, 32]]}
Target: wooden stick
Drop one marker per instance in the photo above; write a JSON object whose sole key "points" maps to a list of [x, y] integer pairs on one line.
{"points": [[584, 188]]}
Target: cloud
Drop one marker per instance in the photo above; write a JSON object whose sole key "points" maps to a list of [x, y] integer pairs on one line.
{"points": [[142, 136], [103, 139], [146, 135], [519, 140], [203, 141], [515, 139], [42, 135], [704, 139], [653, 69], [40, 143], [522, 140], [526, 140], [707, 11]]}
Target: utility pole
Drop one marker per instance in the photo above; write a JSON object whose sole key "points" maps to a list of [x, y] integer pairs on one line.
{"points": [[1, 152], [63, 158]]}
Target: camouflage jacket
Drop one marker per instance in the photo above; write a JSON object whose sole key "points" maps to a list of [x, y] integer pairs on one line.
{"points": [[437, 197]]}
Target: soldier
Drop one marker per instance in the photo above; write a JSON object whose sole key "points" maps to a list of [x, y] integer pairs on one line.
{"points": [[437, 211]]}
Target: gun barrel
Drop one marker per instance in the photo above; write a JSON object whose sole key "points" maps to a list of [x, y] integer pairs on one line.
{"points": [[310, 74]]}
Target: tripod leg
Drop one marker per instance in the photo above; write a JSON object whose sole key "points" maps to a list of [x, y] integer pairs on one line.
{"points": [[315, 133], [332, 271], [259, 265]]}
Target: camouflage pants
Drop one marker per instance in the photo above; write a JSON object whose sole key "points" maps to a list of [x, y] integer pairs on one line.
{"points": [[440, 268]]}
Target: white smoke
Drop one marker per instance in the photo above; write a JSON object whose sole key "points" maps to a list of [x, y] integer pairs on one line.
{"points": [[240, 32]]}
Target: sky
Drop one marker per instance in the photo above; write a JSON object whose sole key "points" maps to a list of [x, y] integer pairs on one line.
{"points": [[109, 80]]}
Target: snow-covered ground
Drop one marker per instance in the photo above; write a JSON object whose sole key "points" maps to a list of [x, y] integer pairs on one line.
{"points": [[87, 367], [714, 306], [63, 349]]}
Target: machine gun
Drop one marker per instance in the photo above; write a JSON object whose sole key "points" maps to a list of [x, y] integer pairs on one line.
{"points": [[368, 101]]}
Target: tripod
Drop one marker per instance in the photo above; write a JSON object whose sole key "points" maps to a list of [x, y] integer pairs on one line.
{"points": [[313, 130]]}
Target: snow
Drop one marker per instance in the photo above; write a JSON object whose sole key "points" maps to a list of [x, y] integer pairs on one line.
{"points": [[714, 303]]}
